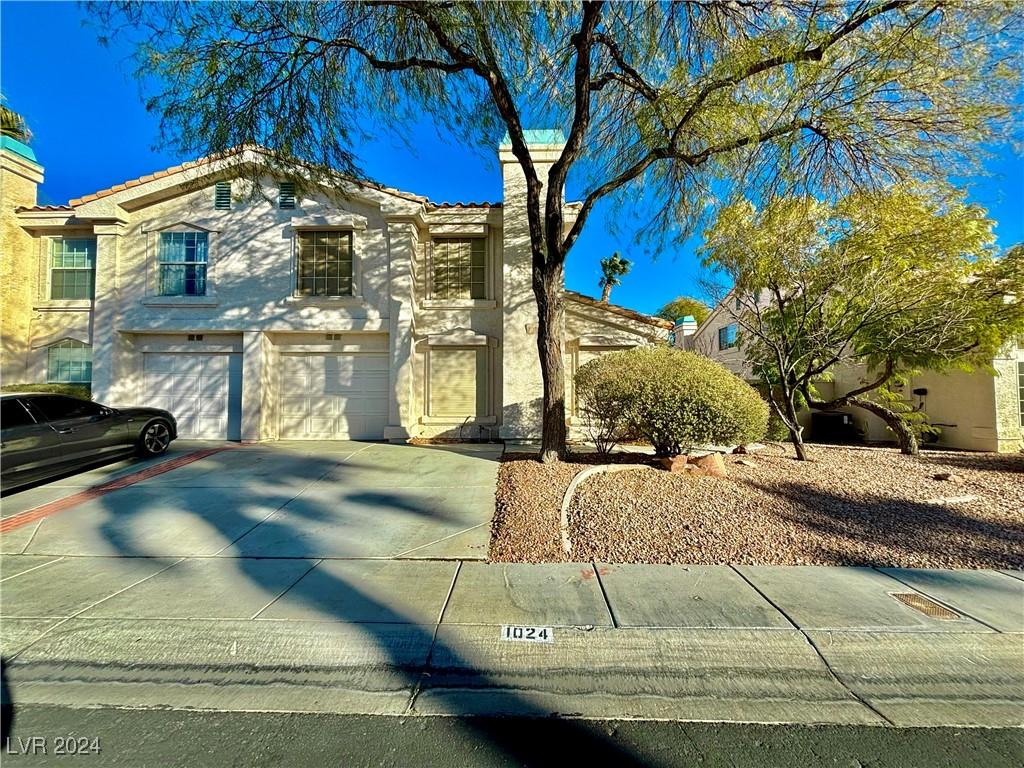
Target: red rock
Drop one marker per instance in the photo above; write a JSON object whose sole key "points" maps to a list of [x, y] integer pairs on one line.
{"points": [[711, 465], [673, 463]]}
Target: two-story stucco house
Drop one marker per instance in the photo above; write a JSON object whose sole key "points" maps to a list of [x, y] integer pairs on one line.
{"points": [[975, 411], [365, 312]]}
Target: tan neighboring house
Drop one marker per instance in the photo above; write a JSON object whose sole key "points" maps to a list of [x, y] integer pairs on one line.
{"points": [[975, 411], [367, 313]]}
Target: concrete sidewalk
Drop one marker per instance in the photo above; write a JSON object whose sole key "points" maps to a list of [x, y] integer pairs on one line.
{"points": [[348, 636]]}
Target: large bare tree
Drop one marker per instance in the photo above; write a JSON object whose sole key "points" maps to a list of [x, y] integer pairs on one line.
{"points": [[687, 103]]}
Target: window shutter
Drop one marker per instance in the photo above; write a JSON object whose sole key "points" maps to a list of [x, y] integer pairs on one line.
{"points": [[222, 196], [286, 195], [454, 377]]}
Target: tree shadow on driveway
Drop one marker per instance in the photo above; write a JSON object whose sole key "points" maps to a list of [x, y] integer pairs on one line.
{"points": [[231, 505]]}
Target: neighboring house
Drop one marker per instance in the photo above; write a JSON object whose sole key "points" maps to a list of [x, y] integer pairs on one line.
{"points": [[975, 411], [364, 313]]}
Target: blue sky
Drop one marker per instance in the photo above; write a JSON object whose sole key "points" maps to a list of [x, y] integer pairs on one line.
{"points": [[91, 131]]}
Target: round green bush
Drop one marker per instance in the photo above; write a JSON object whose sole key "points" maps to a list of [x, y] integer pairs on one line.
{"points": [[674, 399]]}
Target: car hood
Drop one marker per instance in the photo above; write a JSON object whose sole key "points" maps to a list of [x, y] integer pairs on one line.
{"points": [[139, 411]]}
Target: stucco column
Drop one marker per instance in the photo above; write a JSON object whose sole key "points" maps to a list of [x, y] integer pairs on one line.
{"points": [[403, 240], [110, 381], [253, 369], [522, 385]]}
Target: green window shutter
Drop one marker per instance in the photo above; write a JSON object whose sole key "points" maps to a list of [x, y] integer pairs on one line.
{"points": [[222, 196]]}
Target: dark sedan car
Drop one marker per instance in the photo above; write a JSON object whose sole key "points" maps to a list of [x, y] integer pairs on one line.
{"points": [[46, 435]]}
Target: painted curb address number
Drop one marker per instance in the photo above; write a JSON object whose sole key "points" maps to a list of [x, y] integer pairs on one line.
{"points": [[519, 634]]}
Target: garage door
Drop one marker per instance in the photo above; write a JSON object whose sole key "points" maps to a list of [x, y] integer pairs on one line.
{"points": [[203, 391], [333, 396]]}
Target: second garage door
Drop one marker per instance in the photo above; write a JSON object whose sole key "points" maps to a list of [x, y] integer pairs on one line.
{"points": [[333, 396]]}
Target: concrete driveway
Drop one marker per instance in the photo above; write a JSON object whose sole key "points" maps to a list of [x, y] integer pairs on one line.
{"points": [[271, 500]]}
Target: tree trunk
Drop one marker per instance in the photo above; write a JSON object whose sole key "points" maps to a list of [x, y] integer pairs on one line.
{"points": [[547, 287], [904, 434], [796, 431], [606, 292]]}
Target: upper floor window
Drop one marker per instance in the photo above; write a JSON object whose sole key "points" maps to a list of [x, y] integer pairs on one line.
{"points": [[182, 263], [222, 196], [72, 267], [324, 264], [286, 195], [459, 268], [69, 362], [727, 336]]}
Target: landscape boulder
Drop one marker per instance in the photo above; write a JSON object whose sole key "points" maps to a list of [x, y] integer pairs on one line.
{"points": [[673, 463], [711, 465]]}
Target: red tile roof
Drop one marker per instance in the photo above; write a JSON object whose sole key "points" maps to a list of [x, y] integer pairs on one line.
{"points": [[436, 206], [60, 208], [617, 310]]}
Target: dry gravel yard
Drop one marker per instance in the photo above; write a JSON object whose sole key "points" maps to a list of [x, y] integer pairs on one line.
{"points": [[847, 506]]}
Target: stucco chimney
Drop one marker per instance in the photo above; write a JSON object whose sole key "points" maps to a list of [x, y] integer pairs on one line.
{"points": [[522, 387], [20, 177], [685, 326]]}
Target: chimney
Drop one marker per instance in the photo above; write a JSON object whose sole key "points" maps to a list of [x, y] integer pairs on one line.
{"points": [[22, 174], [20, 177], [685, 326], [522, 389]]}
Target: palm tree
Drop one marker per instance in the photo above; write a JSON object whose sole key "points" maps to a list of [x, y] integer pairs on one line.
{"points": [[12, 124], [613, 269]]}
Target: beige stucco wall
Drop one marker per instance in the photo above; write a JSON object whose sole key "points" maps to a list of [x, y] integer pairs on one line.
{"points": [[250, 309], [19, 180], [1009, 417]]}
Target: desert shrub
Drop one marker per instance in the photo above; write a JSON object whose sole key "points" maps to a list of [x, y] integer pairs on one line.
{"points": [[676, 399], [602, 404], [72, 390]]}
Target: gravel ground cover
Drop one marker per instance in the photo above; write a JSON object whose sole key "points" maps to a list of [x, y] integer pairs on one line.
{"points": [[847, 506]]}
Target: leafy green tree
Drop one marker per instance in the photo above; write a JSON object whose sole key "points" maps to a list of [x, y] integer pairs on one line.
{"points": [[682, 306], [685, 101], [897, 281], [613, 269]]}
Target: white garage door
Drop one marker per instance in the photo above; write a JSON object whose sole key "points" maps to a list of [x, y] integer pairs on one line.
{"points": [[333, 396], [204, 392]]}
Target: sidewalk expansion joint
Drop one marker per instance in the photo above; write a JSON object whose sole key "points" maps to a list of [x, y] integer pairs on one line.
{"points": [[810, 641], [933, 598], [414, 694]]}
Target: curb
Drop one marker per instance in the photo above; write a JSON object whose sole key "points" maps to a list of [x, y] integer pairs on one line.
{"points": [[563, 521]]}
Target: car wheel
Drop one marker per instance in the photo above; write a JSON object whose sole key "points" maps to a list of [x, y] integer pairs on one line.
{"points": [[155, 438]]}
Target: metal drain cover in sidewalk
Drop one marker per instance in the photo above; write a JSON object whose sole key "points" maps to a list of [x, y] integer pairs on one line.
{"points": [[925, 605]]}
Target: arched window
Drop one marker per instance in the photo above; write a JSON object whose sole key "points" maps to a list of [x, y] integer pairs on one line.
{"points": [[69, 362]]}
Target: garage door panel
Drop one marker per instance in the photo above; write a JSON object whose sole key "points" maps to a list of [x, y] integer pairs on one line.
{"points": [[203, 391], [333, 396]]}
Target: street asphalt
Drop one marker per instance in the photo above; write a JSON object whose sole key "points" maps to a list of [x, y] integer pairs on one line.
{"points": [[332, 599], [169, 739]]}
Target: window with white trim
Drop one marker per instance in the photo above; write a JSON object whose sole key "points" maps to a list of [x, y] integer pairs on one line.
{"points": [[72, 268], [182, 259], [69, 362], [459, 268], [324, 263], [727, 336], [458, 382]]}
